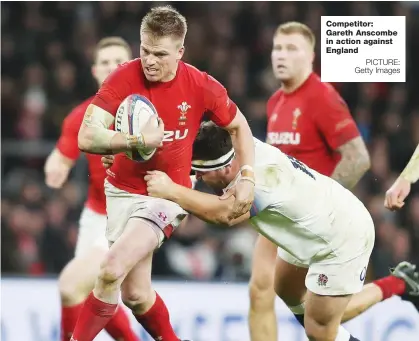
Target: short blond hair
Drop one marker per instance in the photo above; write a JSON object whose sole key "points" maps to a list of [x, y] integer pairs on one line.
{"points": [[113, 41], [293, 27], [165, 21]]}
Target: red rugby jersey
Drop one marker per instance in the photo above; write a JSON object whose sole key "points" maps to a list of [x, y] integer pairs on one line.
{"points": [[180, 103], [310, 124], [68, 146]]}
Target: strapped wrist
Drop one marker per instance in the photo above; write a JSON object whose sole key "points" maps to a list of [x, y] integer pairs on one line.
{"points": [[135, 141], [248, 178]]}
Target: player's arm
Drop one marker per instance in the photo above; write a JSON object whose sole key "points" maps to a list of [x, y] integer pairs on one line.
{"points": [[62, 158], [398, 192], [411, 171], [242, 139], [205, 206], [57, 167], [225, 114], [95, 137], [336, 124], [354, 162]]}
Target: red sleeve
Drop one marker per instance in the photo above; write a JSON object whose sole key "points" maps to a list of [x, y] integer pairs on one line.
{"points": [[67, 143], [333, 119], [222, 109], [114, 89]]}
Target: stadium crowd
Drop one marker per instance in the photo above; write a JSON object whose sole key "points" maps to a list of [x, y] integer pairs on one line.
{"points": [[47, 49]]}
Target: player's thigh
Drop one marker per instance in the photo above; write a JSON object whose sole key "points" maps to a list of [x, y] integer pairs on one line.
{"points": [[92, 233], [121, 206], [289, 280], [139, 238], [323, 315], [263, 267], [79, 275]]}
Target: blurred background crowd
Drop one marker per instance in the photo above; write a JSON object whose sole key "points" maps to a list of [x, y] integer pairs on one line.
{"points": [[46, 54]]}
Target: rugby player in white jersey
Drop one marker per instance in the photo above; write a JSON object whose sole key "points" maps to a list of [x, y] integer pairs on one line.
{"points": [[320, 228]]}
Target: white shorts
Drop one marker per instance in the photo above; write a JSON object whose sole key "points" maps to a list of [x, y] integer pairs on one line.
{"points": [[122, 205], [343, 270], [92, 228]]}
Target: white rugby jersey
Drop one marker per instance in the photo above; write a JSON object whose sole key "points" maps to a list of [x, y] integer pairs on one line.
{"points": [[297, 208]]}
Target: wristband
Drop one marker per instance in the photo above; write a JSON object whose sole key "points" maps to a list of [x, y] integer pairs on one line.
{"points": [[246, 167], [248, 178], [135, 141]]}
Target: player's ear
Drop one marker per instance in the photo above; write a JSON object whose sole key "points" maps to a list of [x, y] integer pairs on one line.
{"points": [[312, 57], [181, 52], [94, 70]]}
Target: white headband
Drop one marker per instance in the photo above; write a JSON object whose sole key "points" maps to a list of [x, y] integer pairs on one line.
{"points": [[209, 165]]}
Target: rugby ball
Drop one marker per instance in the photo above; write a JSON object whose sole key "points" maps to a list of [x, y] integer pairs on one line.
{"points": [[131, 117]]}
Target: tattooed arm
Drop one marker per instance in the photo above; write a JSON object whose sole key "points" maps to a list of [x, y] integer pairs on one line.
{"points": [[354, 163]]}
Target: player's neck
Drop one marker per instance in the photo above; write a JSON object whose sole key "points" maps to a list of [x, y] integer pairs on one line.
{"points": [[234, 172], [293, 84]]}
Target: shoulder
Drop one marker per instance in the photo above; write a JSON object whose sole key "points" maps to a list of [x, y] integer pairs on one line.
{"points": [[131, 65], [321, 91], [193, 75], [78, 112], [322, 96], [127, 71], [273, 100]]}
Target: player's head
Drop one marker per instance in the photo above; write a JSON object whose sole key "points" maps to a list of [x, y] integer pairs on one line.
{"points": [[109, 52], [163, 32], [213, 157], [292, 51]]}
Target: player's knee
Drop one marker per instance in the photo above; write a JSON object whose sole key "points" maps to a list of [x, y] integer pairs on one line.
{"points": [[134, 298], [262, 294], [316, 331], [69, 287], [111, 270]]}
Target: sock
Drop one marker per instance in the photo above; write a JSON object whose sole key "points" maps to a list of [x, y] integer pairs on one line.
{"points": [[156, 322], [119, 326], [93, 317], [390, 286], [69, 316], [298, 312]]}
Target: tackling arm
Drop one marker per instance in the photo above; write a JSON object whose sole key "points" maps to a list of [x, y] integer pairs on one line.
{"points": [[95, 137], [411, 171], [205, 206], [354, 163]]}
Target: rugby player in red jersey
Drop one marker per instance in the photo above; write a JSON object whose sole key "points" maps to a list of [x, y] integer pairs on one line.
{"points": [[308, 120], [138, 224], [78, 278]]}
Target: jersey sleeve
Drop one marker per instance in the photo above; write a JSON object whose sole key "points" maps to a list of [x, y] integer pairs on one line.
{"points": [[333, 119], [220, 108], [67, 143], [113, 90]]}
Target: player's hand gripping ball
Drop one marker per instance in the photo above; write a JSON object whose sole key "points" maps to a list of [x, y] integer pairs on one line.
{"points": [[136, 115]]}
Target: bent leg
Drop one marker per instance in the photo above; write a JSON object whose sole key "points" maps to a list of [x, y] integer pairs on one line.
{"points": [[262, 317], [146, 305]]}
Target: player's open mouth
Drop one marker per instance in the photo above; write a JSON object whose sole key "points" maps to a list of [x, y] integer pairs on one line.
{"points": [[151, 71]]}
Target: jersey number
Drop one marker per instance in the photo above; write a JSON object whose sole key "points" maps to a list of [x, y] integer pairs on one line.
{"points": [[301, 166]]}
